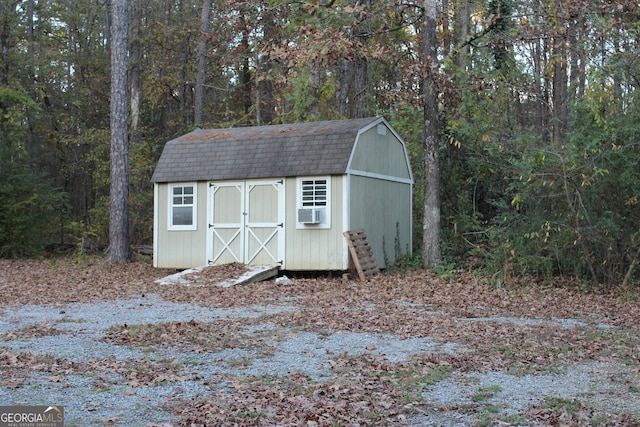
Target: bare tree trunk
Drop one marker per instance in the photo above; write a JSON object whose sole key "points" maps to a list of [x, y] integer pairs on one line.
{"points": [[164, 62], [576, 65], [361, 70], [185, 88], [462, 20], [360, 66], [135, 105], [30, 36], [627, 277], [7, 9], [264, 104], [245, 69], [202, 63], [446, 30], [343, 88], [314, 87], [119, 251], [136, 70], [560, 84], [431, 255]]}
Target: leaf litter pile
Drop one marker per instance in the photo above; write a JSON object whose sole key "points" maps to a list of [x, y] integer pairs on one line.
{"points": [[524, 330], [221, 273]]}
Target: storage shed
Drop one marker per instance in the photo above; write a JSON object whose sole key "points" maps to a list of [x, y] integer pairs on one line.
{"points": [[282, 195]]}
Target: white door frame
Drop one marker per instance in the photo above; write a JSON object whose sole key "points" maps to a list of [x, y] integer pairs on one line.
{"points": [[244, 226], [212, 229]]}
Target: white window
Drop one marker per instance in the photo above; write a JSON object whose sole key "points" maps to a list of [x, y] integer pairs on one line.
{"points": [[314, 192], [314, 202], [182, 207]]}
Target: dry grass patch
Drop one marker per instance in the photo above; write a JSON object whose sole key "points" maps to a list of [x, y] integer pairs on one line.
{"points": [[16, 367], [66, 280], [571, 412], [140, 373], [34, 331], [514, 346], [198, 337], [362, 390]]}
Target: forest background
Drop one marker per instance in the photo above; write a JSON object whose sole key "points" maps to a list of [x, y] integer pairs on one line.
{"points": [[539, 120]]}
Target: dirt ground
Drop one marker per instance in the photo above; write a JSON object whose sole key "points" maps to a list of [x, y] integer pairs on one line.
{"points": [[409, 348]]}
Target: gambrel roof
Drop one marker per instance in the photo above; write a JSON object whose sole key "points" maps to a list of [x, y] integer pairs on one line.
{"points": [[316, 148]]}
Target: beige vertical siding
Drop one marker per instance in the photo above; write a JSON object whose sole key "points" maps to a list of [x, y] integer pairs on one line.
{"points": [[180, 249], [312, 248]]}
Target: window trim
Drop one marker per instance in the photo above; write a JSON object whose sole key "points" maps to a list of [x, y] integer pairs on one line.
{"points": [[194, 214], [326, 218]]}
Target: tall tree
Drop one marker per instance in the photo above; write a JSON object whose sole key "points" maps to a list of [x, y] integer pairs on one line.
{"points": [[7, 22], [265, 109], [136, 70], [431, 253], [560, 83], [202, 63], [119, 251]]}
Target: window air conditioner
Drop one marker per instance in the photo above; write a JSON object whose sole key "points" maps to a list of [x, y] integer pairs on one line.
{"points": [[310, 216]]}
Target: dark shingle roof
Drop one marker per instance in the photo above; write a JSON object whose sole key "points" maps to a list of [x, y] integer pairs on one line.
{"points": [[316, 148]]}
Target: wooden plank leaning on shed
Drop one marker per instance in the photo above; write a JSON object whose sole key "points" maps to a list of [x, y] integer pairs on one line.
{"points": [[362, 254]]}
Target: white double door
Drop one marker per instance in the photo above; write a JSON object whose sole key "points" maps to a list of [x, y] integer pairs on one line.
{"points": [[246, 222]]}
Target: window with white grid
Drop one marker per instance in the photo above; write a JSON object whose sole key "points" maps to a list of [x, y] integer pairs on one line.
{"points": [[314, 201], [314, 192], [182, 207]]}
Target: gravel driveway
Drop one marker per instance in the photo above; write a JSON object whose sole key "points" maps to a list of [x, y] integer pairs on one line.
{"points": [[61, 354], [76, 331]]}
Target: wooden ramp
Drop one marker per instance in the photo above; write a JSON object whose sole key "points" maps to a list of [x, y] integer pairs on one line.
{"points": [[255, 273], [361, 254], [252, 274]]}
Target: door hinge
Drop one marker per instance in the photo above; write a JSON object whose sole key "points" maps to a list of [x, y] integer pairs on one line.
{"points": [[281, 224], [280, 182], [210, 225], [209, 262]]}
